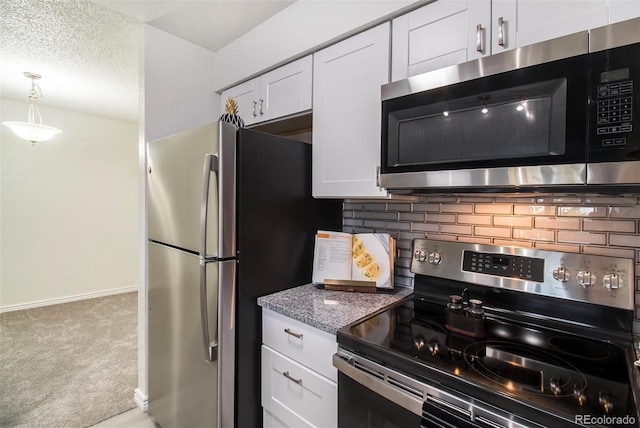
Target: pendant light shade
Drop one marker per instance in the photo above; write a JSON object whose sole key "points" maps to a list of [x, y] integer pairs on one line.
{"points": [[30, 130]]}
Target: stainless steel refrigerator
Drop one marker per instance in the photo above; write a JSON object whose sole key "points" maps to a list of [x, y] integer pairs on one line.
{"points": [[230, 218]]}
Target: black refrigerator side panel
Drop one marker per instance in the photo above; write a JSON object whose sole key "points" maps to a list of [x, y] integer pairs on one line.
{"points": [[277, 221]]}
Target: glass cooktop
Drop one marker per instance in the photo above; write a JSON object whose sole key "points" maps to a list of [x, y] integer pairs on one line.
{"points": [[557, 372]]}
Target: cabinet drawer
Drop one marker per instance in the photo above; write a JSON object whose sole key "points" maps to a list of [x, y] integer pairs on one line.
{"points": [[307, 345], [295, 395]]}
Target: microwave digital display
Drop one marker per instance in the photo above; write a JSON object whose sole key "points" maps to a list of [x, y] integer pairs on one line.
{"points": [[613, 75]]}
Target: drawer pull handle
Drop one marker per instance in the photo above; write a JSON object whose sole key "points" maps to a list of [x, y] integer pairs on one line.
{"points": [[288, 376], [296, 335]]}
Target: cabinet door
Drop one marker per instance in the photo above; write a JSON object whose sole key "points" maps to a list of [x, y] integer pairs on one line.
{"points": [[443, 33], [621, 10], [504, 20], [286, 90], [347, 114], [544, 20], [296, 396], [531, 21], [246, 95]]}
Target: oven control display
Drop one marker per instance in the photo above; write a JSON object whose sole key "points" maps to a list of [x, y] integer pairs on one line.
{"points": [[509, 266]]}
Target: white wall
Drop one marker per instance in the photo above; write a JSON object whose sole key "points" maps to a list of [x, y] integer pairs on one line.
{"points": [[177, 95], [301, 28], [178, 85], [69, 209]]}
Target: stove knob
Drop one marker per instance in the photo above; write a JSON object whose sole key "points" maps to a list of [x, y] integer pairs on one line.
{"points": [[419, 342], [586, 278], [612, 281], [605, 402], [578, 392], [561, 274], [434, 258], [420, 255], [554, 385], [434, 348]]}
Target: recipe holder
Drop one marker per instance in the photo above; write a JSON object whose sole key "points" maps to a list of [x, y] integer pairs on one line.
{"points": [[350, 285]]}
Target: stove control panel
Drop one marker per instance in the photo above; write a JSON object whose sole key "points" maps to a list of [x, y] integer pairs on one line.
{"points": [[508, 266], [588, 278]]}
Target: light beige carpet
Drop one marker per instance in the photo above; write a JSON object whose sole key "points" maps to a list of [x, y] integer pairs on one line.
{"points": [[69, 365]]}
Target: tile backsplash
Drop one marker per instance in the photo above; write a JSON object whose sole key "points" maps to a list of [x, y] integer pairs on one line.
{"points": [[589, 224]]}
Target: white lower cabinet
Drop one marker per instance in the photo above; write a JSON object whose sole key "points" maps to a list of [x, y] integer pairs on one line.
{"points": [[299, 386]]}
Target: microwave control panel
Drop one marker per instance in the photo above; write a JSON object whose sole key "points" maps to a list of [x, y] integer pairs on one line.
{"points": [[615, 107], [615, 100]]}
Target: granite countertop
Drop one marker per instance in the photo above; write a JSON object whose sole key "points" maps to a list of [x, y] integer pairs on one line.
{"points": [[328, 310]]}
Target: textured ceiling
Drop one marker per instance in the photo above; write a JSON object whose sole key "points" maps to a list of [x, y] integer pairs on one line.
{"points": [[87, 56], [87, 51]]}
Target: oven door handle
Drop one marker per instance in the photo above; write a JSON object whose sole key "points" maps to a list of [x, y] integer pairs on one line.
{"points": [[386, 389]]}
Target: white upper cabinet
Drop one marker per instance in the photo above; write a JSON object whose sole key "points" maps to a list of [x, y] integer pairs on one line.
{"points": [[449, 32], [278, 93], [530, 21], [443, 33], [621, 10], [245, 95], [346, 114]]}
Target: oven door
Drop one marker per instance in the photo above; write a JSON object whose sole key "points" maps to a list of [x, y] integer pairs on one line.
{"points": [[361, 407], [514, 119], [374, 396]]}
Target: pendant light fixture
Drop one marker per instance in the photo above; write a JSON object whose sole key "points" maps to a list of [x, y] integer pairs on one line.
{"points": [[30, 130]]}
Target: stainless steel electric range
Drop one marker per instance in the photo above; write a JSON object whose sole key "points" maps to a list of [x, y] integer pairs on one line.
{"points": [[496, 337]]}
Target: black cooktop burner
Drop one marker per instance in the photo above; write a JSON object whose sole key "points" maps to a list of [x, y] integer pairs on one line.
{"points": [[535, 367], [523, 368]]}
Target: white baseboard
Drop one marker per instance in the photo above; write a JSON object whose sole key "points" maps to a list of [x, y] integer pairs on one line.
{"points": [[68, 299], [141, 400]]}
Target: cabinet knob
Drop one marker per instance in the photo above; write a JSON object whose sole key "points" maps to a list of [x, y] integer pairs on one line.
{"points": [[254, 109], [261, 112]]}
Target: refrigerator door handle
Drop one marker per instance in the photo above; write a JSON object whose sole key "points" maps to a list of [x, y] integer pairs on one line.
{"points": [[210, 348], [210, 165]]}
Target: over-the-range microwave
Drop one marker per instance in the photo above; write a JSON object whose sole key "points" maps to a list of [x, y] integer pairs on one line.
{"points": [[561, 115]]}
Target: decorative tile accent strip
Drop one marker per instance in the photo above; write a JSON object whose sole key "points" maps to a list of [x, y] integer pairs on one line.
{"points": [[590, 224]]}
